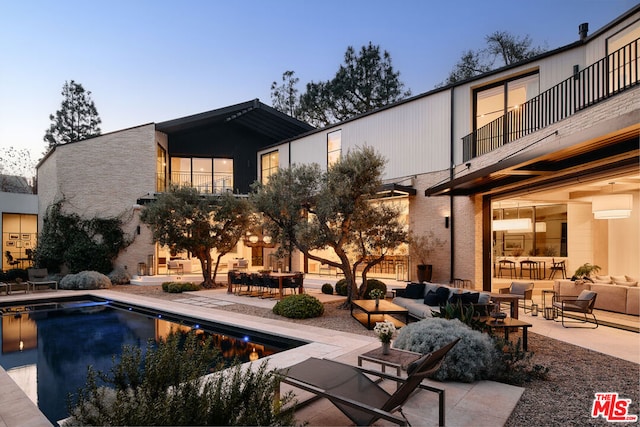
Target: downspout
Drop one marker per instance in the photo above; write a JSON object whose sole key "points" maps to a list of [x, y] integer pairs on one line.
{"points": [[452, 222]]}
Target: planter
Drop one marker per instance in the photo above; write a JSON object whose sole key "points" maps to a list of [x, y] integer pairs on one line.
{"points": [[425, 272]]}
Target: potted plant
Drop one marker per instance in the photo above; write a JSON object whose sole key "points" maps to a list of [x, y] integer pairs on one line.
{"points": [[421, 247], [584, 272]]}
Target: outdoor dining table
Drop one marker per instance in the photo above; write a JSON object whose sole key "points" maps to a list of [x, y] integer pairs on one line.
{"points": [[512, 299], [281, 277]]}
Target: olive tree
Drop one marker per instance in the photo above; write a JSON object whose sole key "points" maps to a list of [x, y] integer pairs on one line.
{"points": [[309, 209], [186, 220]]}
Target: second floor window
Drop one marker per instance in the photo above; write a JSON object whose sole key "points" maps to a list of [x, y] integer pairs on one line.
{"points": [[496, 101], [334, 147], [206, 174], [269, 164]]}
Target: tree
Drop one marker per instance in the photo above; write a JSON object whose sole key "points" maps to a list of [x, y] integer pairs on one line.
{"points": [[365, 82], [186, 220], [502, 49], [284, 97], [309, 210], [17, 170], [76, 119]]}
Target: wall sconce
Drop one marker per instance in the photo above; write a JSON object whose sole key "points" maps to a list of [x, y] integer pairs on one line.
{"points": [[446, 221]]}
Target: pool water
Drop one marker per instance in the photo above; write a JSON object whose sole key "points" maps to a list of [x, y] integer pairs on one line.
{"points": [[46, 348]]}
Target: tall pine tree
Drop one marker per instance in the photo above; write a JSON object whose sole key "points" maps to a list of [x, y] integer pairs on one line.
{"points": [[76, 119]]}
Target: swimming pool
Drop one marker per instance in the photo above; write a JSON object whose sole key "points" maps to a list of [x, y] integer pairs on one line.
{"points": [[47, 346]]}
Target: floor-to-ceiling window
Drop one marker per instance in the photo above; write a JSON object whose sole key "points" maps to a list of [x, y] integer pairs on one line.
{"points": [[161, 169], [19, 233], [208, 175], [334, 146], [269, 164]]}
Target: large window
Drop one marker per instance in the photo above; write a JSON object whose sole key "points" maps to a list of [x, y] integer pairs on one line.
{"points": [[334, 147], [206, 174], [19, 233], [497, 100], [269, 164], [161, 169]]}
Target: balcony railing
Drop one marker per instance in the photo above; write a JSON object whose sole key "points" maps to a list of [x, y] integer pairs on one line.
{"points": [[203, 182], [611, 75]]}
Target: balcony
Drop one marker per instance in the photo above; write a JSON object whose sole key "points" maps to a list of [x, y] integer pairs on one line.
{"points": [[608, 77], [202, 181]]}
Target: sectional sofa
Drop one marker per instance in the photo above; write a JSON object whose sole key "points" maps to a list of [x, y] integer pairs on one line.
{"points": [[422, 299], [613, 294]]}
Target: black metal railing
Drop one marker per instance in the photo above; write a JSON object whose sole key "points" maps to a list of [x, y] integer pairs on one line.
{"points": [[609, 76], [203, 182]]}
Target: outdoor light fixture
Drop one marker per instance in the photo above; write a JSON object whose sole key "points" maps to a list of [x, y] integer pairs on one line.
{"points": [[253, 238], [253, 356], [446, 221]]}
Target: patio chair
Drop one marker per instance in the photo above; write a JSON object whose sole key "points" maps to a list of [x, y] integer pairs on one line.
{"points": [[583, 304], [39, 277], [523, 289], [12, 263], [359, 397]]}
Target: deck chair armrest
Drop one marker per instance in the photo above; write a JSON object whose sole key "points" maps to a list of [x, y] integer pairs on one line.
{"points": [[345, 401], [504, 290]]}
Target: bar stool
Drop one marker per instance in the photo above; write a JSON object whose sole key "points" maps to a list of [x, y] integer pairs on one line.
{"points": [[531, 267], [507, 265], [558, 266]]}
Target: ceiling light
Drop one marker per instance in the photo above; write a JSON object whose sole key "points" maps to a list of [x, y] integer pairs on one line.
{"points": [[512, 224], [612, 206]]}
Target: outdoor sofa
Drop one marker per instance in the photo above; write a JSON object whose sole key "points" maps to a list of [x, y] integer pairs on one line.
{"points": [[622, 296], [422, 299]]}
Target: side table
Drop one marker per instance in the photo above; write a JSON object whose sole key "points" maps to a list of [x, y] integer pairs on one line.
{"points": [[398, 359]]}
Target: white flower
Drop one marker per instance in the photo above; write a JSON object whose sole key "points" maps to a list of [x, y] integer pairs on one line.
{"points": [[384, 330]]}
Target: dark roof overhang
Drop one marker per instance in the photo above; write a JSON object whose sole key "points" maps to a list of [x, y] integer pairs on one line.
{"points": [[546, 165], [395, 190], [252, 114]]}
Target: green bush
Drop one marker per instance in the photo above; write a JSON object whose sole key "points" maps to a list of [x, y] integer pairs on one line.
{"points": [[179, 287], [85, 280], [120, 276], [301, 306], [341, 287], [374, 284], [167, 385], [327, 289], [474, 358]]}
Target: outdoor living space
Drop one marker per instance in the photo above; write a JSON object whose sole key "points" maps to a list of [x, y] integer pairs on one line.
{"points": [[466, 404]]}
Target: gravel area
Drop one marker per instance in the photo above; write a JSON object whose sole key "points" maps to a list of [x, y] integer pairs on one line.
{"points": [[565, 398]]}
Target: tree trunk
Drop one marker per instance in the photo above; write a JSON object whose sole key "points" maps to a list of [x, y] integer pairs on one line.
{"points": [[205, 262]]}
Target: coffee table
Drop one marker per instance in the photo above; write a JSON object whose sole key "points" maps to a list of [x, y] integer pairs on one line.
{"points": [[398, 359], [368, 313], [507, 324]]}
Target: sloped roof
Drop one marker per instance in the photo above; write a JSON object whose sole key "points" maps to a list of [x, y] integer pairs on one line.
{"points": [[251, 114]]}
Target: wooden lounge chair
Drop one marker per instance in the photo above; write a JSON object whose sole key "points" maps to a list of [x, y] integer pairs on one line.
{"points": [[359, 397], [39, 277]]}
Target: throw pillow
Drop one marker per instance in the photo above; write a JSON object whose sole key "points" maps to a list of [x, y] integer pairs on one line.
{"points": [[484, 298], [619, 278], [604, 278], [431, 299], [414, 291], [627, 283], [630, 279], [443, 295], [607, 282]]}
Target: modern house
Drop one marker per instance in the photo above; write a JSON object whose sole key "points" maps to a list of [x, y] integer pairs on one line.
{"points": [[521, 162], [112, 174], [537, 161]]}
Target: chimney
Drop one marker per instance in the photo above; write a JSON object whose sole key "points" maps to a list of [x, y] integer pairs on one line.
{"points": [[583, 29]]}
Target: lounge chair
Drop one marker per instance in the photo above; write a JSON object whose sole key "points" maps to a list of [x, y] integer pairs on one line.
{"points": [[359, 397], [583, 304], [39, 277]]}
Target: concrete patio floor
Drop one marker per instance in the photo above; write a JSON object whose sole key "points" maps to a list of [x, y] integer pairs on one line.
{"points": [[466, 404]]}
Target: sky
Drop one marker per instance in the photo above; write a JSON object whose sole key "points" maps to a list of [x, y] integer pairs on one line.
{"points": [[154, 60]]}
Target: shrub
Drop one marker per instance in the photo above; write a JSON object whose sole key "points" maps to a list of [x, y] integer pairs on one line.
{"points": [[473, 358], [166, 385], [341, 287], [467, 314], [327, 289], [515, 365], [120, 276], [85, 280], [179, 287], [374, 284], [13, 274], [301, 306]]}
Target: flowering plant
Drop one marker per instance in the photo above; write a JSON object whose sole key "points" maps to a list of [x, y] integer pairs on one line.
{"points": [[384, 330], [376, 293]]}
